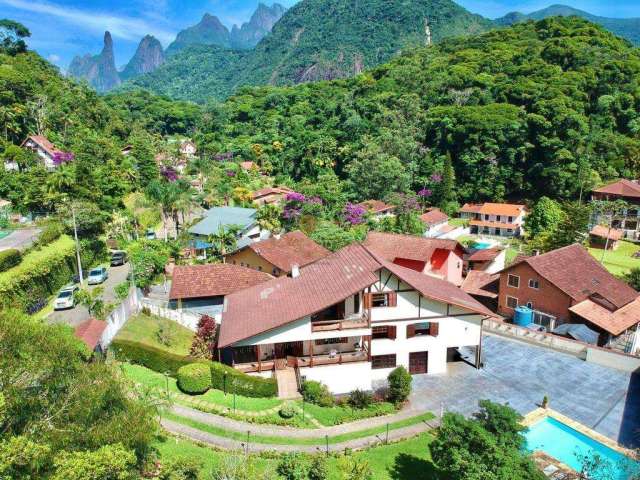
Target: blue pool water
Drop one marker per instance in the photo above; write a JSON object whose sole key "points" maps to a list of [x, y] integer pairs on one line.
{"points": [[568, 446], [482, 245]]}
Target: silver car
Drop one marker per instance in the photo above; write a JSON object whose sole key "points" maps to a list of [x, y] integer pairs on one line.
{"points": [[97, 276], [66, 298]]}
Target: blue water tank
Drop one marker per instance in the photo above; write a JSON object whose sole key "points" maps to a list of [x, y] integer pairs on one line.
{"points": [[523, 316]]}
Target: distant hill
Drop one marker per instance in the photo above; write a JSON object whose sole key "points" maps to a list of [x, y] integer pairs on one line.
{"points": [[628, 28], [316, 40], [98, 70], [147, 58]]}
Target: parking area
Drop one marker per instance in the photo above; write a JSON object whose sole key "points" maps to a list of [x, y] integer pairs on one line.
{"points": [[519, 374]]}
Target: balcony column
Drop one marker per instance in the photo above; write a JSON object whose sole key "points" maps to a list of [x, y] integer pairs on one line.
{"points": [[259, 354], [369, 348], [310, 353]]}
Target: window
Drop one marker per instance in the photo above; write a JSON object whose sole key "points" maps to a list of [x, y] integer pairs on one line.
{"points": [[331, 341], [380, 300], [389, 299], [510, 220], [275, 271], [386, 331], [486, 217], [530, 305], [383, 361], [512, 302], [356, 303], [422, 328], [533, 283], [513, 281], [259, 268]]}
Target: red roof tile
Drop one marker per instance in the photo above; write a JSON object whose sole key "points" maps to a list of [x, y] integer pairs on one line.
{"points": [[471, 208], [90, 332], [624, 188], [509, 209], [375, 206], [485, 255], [263, 192], [390, 246], [481, 284], [43, 142], [218, 279], [248, 165], [434, 216], [614, 322], [293, 248], [604, 232]]}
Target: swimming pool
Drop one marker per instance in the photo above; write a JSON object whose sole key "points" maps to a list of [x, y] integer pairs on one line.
{"points": [[570, 447], [482, 245]]}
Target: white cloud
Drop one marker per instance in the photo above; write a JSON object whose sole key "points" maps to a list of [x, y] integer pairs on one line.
{"points": [[128, 28], [53, 58]]}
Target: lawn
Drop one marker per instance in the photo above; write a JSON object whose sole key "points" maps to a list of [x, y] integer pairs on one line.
{"points": [[329, 416], [458, 222], [618, 261], [144, 328]]}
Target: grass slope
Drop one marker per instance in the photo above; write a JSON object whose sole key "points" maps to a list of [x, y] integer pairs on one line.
{"points": [[618, 261], [143, 328]]}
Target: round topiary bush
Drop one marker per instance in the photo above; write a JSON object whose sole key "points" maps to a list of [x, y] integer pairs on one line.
{"points": [[194, 378], [287, 411]]}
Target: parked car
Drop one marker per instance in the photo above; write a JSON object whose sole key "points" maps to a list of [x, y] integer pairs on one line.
{"points": [[66, 298], [97, 276], [150, 235], [118, 258]]}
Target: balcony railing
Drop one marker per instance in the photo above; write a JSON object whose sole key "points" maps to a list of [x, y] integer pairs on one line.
{"points": [[337, 358], [358, 320]]}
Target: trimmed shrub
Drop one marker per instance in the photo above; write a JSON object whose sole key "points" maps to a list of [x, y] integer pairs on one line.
{"points": [[241, 383], [153, 358], [50, 233], [360, 399], [293, 466], [194, 378], [399, 385], [287, 411], [9, 259], [317, 393]]}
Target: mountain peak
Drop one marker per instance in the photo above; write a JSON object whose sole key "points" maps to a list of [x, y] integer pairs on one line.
{"points": [[209, 31], [149, 56], [99, 70], [259, 25]]}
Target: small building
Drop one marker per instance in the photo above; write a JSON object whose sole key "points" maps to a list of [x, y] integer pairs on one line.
{"points": [[629, 220], [226, 218], [605, 237], [502, 219], [188, 148], [270, 195], [90, 333], [43, 148], [202, 288], [489, 260], [377, 209], [434, 220], [483, 287], [279, 254]]}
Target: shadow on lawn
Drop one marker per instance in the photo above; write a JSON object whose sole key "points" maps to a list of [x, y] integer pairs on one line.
{"points": [[414, 468]]}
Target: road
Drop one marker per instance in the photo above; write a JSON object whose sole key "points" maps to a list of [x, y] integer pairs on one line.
{"points": [[19, 239], [79, 314]]}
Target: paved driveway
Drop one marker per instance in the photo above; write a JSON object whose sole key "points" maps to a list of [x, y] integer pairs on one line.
{"points": [[19, 239], [601, 398]]}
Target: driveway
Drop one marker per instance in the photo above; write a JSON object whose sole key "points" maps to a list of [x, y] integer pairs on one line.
{"points": [[79, 314], [601, 398], [19, 239]]}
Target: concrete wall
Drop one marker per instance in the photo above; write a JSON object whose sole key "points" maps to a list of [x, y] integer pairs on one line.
{"points": [[611, 359], [341, 378], [248, 258]]}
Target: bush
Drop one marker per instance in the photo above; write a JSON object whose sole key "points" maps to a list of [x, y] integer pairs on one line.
{"points": [[399, 385], [241, 383], [319, 469], [317, 393], [9, 259], [293, 466], [50, 233], [194, 378], [287, 411], [156, 359], [360, 399]]}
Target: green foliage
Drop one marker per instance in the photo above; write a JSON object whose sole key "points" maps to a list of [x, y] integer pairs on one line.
{"points": [[180, 468], [332, 236], [293, 466], [543, 217], [111, 462], [399, 385], [317, 393], [22, 458], [287, 411], [50, 233], [156, 359], [122, 290], [148, 258], [194, 378], [633, 278], [12, 35], [241, 383], [318, 470], [354, 468], [9, 259], [92, 299], [360, 399], [40, 274]]}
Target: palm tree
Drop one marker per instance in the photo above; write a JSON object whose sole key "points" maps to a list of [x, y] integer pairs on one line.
{"points": [[225, 239], [166, 194]]}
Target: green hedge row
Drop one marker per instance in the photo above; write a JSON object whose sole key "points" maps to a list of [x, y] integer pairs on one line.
{"points": [[9, 259], [241, 383], [40, 274], [194, 378]]}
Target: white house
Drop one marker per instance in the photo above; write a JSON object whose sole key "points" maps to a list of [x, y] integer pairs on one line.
{"points": [[348, 320], [503, 219], [42, 147], [188, 148]]}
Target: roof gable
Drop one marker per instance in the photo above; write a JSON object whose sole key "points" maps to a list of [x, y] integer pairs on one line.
{"points": [[293, 248], [213, 280], [224, 217], [390, 246], [624, 187]]}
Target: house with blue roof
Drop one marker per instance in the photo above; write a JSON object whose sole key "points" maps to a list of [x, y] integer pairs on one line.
{"points": [[227, 217]]}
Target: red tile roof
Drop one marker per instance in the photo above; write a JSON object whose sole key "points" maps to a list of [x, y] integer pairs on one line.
{"points": [[481, 284], [43, 142], [605, 232], [90, 332], [624, 188], [471, 208], [213, 280], [390, 246], [293, 248], [614, 322], [509, 209], [263, 192], [434, 216], [375, 206], [574, 271], [485, 255]]}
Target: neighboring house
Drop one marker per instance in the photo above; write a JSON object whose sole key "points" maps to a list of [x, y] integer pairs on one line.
{"points": [[224, 218], [377, 209], [248, 166], [270, 195], [503, 219], [91, 332], [349, 319], [188, 148], [442, 258], [483, 287], [489, 260], [628, 191], [43, 148], [569, 286], [434, 220], [279, 255], [605, 237], [202, 288]]}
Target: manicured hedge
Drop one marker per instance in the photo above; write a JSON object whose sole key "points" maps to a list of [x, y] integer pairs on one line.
{"points": [[9, 259], [156, 359], [40, 274], [241, 383], [194, 378]]}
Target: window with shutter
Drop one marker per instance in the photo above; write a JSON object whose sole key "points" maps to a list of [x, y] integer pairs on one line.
{"points": [[411, 331], [368, 300], [392, 332], [393, 299]]}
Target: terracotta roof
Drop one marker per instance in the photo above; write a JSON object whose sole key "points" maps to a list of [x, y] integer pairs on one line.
{"points": [[218, 279], [574, 271], [434, 216], [508, 209], [293, 248], [624, 188], [481, 284], [604, 232], [471, 208], [485, 255], [248, 165], [614, 322], [487, 223], [90, 332], [263, 192], [43, 142], [390, 246], [375, 206]]}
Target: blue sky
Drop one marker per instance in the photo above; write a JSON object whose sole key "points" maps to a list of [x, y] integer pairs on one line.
{"points": [[64, 28]]}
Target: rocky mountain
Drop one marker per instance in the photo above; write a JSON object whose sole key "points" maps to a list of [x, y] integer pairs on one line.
{"points": [[262, 21], [628, 28], [317, 40], [147, 58], [98, 70], [209, 31]]}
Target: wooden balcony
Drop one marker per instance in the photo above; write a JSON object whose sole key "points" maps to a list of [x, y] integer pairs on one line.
{"points": [[349, 323], [333, 359]]}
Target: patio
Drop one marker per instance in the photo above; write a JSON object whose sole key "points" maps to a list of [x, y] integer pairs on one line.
{"points": [[601, 398]]}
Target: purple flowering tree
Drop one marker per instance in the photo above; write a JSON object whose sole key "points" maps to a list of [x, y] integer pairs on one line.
{"points": [[354, 214], [169, 174], [60, 158]]}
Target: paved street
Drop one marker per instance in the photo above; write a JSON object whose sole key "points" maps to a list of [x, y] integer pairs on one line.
{"points": [[19, 239], [79, 314]]}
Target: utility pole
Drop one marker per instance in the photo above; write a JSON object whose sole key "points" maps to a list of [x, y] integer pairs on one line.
{"points": [[75, 235]]}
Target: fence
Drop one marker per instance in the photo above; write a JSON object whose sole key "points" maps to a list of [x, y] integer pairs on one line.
{"points": [[116, 319], [184, 318]]}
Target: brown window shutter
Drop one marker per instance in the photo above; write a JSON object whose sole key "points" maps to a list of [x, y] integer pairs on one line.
{"points": [[393, 299], [368, 300], [411, 331], [391, 332], [434, 329]]}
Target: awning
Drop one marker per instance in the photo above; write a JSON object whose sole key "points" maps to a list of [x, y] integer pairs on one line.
{"points": [[199, 244], [578, 331]]}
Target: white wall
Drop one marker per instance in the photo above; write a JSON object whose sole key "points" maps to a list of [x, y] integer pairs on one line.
{"points": [[341, 378], [498, 263]]}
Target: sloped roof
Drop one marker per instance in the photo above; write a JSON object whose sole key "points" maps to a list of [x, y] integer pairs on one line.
{"points": [[604, 232], [248, 165], [434, 216], [390, 246], [375, 206], [484, 255], [471, 208], [90, 332], [574, 271], [263, 192], [43, 143], [509, 209], [624, 188], [293, 248], [481, 284], [614, 322], [224, 217], [198, 281]]}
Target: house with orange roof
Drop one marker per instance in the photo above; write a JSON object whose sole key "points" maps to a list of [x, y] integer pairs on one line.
{"points": [[377, 209], [42, 147], [270, 195], [434, 220], [501, 219], [628, 191]]}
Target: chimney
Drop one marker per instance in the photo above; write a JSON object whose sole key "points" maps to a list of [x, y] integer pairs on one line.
{"points": [[295, 271]]}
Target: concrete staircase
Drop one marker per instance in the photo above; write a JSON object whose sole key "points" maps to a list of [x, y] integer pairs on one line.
{"points": [[287, 384]]}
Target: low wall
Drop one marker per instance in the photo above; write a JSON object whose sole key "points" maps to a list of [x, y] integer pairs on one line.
{"points": [[116, 319], [612, 359], [186, 319]]}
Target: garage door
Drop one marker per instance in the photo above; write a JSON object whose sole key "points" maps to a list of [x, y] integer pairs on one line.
{"points": [[418, 362]]}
